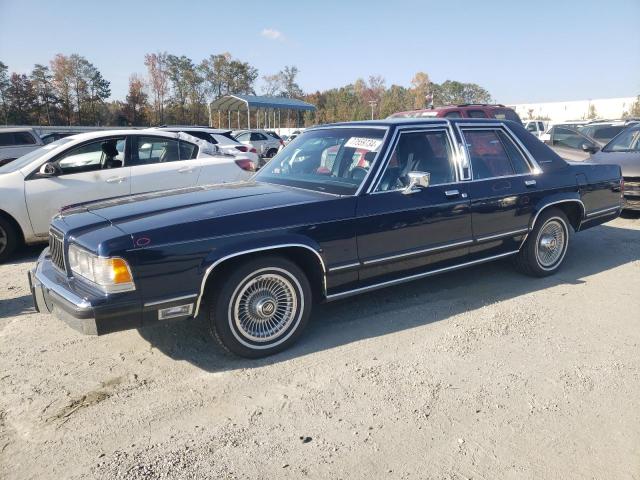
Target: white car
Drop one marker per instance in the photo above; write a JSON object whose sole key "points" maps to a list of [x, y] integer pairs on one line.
{"points": [[99, 165], [17, 141], [266, 145], [221, 138]]}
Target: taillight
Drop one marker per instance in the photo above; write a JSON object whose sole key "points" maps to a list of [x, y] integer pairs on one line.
{"points": [[282, 142], [246, 165], [253, 150], [242, 148]]}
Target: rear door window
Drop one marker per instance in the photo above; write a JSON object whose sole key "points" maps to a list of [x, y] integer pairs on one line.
{"points": [[188, 150], [518, 161], [149, 150], [454, 114], [487, 154]]}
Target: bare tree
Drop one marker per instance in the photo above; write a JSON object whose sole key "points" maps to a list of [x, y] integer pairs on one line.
{"points": [[156, 64]]}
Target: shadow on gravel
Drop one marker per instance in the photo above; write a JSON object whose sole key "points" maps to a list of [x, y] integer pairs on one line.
{"points": [[16, 306], [397, 307]]}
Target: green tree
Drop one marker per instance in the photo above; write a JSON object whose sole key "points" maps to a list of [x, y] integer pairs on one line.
{"points": [[99, 90], [41, 79], [22, 99], [4, 87]]}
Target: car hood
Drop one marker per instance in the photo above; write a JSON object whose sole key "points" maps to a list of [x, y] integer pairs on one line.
{"points": [[196, 212], [629, 162]]}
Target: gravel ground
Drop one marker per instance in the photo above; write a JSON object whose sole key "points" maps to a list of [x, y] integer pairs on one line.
{"points": [[477, 374]]}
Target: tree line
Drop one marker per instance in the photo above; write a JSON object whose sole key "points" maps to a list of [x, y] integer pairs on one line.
{"points": [[71, 90]]}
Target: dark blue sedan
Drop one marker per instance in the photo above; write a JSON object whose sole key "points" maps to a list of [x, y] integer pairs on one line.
{"points": [[343, 209]]}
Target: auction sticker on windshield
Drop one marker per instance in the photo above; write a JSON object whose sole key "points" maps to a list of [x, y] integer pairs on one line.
{"points": [[363, 142]]}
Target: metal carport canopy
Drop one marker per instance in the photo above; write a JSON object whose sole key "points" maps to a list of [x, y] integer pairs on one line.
{"points": [[237, 102]]}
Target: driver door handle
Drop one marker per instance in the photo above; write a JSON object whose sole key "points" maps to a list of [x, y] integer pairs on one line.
{"points": [[115, 179], [185, 170]]}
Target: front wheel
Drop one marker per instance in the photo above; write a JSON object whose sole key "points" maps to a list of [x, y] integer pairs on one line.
{"points": [[261, 308], [9, 239], [546, 246]]}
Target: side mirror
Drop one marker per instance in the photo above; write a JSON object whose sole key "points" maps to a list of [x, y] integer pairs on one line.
{"points": [[49, 170], [589, 147], [417, 181]]}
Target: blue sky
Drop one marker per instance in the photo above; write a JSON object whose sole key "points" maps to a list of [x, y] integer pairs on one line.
{"points": [[520, 51]]}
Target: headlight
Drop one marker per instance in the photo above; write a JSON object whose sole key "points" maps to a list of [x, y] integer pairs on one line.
{"points": [[110, 274]]}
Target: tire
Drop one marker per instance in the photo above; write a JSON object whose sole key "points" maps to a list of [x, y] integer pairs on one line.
{"points": [[9, 239], [546, 245], [245, 316], [272, 153]]}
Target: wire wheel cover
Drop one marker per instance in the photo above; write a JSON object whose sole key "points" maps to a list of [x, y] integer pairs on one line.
{"points": [[264, 306], [551, 243]]}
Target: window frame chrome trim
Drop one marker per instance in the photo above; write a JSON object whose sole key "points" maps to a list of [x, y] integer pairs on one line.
{"points": [[444, 126], [211, 267], [418, 276], [534, 167]]}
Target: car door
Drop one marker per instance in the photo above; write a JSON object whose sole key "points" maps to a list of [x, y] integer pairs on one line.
{"points": [[158, 163], [399, 232], [568, 143], [260, 142], [87, 172], [502, 190]]}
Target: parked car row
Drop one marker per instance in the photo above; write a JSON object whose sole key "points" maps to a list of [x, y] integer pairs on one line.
{"points": [[344, 209]]}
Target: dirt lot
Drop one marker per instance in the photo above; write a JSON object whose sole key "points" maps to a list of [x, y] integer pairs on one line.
{"points": [[481, 374]]}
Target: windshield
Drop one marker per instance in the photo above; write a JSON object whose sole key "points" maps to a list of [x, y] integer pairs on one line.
{"points": [[627, 141], [25, 160], [332, 160]]}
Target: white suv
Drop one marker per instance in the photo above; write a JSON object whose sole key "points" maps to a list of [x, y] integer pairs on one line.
{"points": [[97, 165]]}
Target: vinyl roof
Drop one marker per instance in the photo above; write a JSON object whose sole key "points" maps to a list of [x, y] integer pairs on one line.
{"points": [[242, 102]]}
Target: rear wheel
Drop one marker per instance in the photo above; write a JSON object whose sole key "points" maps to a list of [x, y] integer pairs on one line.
{"points": [[261, 308], [9, 239], [546, 246], [272, 153]]}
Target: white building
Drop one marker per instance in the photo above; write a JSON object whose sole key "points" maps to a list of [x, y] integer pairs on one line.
{"points": [[605, 108]]}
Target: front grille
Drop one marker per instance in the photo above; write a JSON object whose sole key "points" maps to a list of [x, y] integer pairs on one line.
{"points": [[56, 248]]}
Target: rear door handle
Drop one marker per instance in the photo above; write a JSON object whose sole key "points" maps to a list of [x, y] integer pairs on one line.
{"points": [[454, 194], [115, 180], [530, 183]]}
